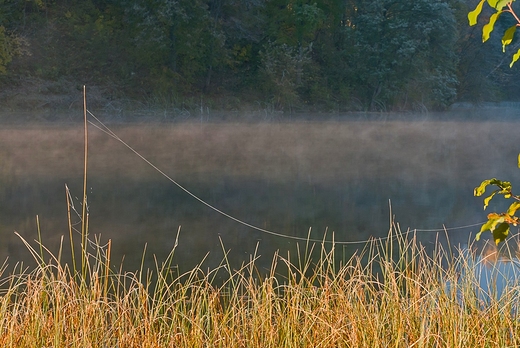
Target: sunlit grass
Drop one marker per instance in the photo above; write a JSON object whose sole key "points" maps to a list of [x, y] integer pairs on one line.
{"points": [[392, 294]]}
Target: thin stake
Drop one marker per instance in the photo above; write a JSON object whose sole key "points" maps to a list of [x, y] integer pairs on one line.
{"points": [[107, 267], [67, 194], [40, 239], [84, 216]]}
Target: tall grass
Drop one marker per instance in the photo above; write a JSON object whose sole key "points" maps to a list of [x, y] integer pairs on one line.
{"points": [[391, 294]]}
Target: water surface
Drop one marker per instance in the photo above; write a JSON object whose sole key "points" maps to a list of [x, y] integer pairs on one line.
{"points": [[341, 175]]}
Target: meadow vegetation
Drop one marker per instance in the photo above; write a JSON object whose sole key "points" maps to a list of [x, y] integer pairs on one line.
{"points": [[393, 292], [390, 294]]}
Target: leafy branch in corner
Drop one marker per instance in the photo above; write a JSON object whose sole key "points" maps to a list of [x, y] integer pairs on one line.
{"points": [[501, 6], [499, 223]]}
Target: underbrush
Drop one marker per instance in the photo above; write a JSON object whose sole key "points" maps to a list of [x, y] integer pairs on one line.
{"points": [[391, 294]]}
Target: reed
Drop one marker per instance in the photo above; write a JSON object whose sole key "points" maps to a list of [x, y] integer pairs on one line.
{"points": [[392, 294]]}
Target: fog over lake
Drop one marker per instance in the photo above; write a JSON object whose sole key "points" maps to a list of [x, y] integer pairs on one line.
{"points": [[336, 173]]}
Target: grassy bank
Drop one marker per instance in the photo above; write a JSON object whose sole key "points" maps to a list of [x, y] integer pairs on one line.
{"points": [[390, 295]]}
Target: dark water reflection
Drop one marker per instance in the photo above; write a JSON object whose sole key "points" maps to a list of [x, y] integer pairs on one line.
{"points": [[283, 177], [491, 276]]}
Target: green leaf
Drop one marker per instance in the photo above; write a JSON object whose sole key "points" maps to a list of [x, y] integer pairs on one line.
{"points": [[498, 4], [500, 232], [473, 15], [488, 28], [479, 191], [505, 186], [485, 227], [502, 3], [513, 208], [487, 199], [515, 58], [489, 225], [508, 37]]}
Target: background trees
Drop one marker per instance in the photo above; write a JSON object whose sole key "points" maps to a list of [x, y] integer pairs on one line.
{"points": [[292, 54], [403, 54]]}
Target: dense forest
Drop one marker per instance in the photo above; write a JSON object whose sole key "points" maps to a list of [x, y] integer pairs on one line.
{"points": [[290, 55]]}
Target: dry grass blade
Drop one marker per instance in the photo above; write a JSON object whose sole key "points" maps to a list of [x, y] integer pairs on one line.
{"points": [[411, 300]]}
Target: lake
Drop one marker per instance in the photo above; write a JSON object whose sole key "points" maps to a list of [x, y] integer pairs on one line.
{"points": [[344, 174]]}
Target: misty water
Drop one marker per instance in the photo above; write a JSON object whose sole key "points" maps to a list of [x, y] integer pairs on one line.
{"points": [[344, 174]]}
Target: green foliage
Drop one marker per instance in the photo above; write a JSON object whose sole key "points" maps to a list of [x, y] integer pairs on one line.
{"points": [[473, 15], [349, 55], [10, 47], [5, 50], [287, 69], [516, 56], [183, 39], [295, 22], [500, 6], [488, 28], [301, 53], [499, 223], [403, 53], [282, 67], [508, 37]]}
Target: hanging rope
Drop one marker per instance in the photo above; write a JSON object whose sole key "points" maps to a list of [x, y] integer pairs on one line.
{"points": [[102, 127]]}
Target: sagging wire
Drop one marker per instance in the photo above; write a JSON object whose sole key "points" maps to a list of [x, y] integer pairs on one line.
{"points": [[104, 128]]}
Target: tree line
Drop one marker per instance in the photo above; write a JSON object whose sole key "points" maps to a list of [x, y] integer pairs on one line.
{"points": [[342, 55]]}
